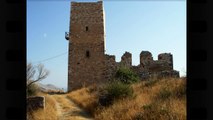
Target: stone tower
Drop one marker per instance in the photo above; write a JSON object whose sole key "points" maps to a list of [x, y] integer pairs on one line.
{"points": [[86, 44]]}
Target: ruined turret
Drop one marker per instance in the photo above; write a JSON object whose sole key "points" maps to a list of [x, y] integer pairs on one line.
{"points": [[126, 60]]}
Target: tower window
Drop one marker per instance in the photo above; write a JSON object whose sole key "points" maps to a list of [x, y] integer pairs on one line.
{"points": [[87, 28], [87, 54]]}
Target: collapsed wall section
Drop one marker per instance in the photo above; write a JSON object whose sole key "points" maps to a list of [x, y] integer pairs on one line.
{"points": [[163, 67]]}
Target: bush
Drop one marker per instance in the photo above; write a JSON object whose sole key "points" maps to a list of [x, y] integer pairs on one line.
{"points": [[164, 93], [150, 82], [154, 111], [180, 91], [175, 91], [115, 90], [32, 90], [126, 75]]}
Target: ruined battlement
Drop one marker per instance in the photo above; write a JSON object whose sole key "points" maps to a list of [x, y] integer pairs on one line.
{"points": [[88, 64], [161, 67]]}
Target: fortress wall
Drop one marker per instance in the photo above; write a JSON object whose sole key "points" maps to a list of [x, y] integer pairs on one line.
{"points": [[111, 66], [88, 64], [126, 60], [167, 57]]}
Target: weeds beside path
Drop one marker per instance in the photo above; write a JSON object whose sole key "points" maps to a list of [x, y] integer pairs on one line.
{"points": [[68, 110]]}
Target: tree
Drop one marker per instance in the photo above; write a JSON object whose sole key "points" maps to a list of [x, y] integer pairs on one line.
{"points": [[35, 73]]}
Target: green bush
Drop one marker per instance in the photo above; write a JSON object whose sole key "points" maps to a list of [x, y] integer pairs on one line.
{"points": [[126, 75], [113, 91], [32, 90], [117, 89]]}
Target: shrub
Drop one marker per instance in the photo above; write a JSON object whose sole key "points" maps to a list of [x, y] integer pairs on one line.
{"points": [[180, 91], [174, 90], [115, 90], [126, 75], [164, 93], [32, 90], [150, 82], [155, 112]]}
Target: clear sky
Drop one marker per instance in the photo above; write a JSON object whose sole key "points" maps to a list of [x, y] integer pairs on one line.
{"points": [[133, 26]]}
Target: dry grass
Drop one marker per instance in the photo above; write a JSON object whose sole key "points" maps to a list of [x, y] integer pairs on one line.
{"points": [[85, 98], [163, 99], [155, 100], [65, 104], [49, 113]]}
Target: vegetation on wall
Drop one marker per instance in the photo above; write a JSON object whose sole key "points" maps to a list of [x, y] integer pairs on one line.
{"points": [[126, 75]]}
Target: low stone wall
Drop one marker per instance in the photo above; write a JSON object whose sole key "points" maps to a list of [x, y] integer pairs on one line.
{"points": [[159, 65], [35, 102], [170, 73]]}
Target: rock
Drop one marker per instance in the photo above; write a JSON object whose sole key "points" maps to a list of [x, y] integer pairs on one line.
{"points": [[35, 102]]}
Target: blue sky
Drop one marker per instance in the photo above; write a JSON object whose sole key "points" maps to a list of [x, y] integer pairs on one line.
{"points": [[133, 26]]}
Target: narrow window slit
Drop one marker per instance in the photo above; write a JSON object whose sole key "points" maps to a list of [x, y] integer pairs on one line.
{"points": [[87, 54]]}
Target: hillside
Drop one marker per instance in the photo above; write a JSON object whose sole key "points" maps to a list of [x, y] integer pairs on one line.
{"points": [[155, 99], [48, 87]]}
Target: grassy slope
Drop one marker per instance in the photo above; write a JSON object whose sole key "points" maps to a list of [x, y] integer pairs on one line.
{"points": [[154, 100], [49, 113]]}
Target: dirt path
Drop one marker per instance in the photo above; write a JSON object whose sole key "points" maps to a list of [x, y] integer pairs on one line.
{"points": [[68, 110]]}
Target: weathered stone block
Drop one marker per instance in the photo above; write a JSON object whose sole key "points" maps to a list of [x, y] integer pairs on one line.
{"points": [[35, 102]]}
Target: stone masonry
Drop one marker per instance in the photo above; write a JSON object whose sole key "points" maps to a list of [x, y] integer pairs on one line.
{"points": [[88, 64], [86, 44]]}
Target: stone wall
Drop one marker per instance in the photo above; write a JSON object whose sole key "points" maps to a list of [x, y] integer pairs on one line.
{"points": [[161, 67], [126, 60], [167, 57], [88, 64], [145, 59], [111, 66], [86, 44]]}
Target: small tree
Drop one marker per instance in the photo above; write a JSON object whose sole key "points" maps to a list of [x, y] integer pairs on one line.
{"points": [[35, 74]]}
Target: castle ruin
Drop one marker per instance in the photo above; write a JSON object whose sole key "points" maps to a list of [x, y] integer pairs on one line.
{"points": [[87, 62]]}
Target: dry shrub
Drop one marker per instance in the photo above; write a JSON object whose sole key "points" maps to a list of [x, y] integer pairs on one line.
{"points": [[155, 100], [171, 88], [126, 108], [114, 90], [33, 90]]}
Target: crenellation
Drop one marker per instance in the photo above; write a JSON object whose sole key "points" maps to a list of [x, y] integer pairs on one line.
{"points": [[166, 57], [126, 60], [88, 64]]}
